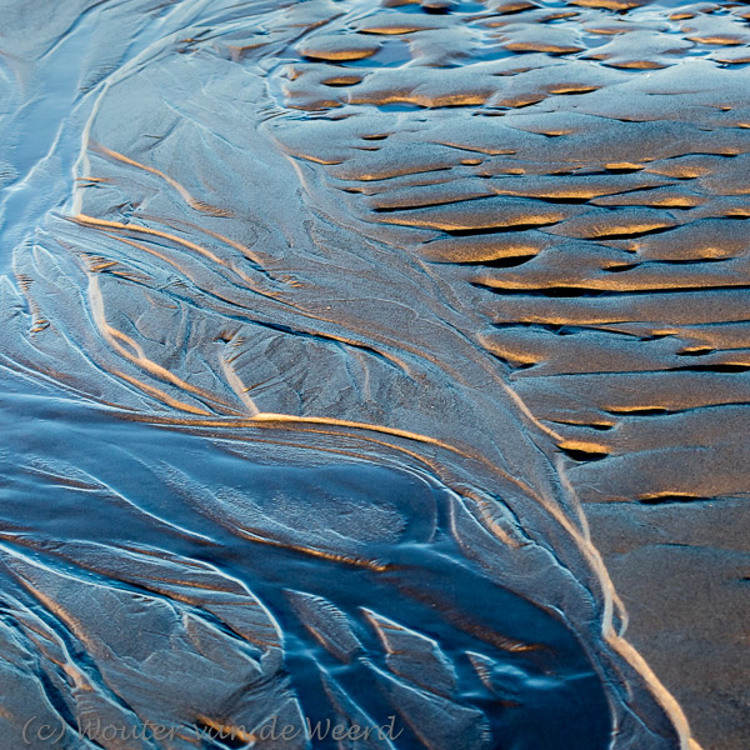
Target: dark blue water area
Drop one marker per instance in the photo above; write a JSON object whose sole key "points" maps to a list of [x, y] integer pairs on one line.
{"points": [[548, 696]]}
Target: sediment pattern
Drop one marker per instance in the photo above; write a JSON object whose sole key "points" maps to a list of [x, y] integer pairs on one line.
{"points": [[320, 320]]}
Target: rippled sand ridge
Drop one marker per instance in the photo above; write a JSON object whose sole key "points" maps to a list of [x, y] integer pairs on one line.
{"points": [[370, 363]]}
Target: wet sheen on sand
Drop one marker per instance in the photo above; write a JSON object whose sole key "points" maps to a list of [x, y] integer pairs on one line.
{"points": [[328, 327]]}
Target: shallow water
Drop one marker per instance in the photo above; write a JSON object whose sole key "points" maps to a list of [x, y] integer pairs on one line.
{"points": [[319, 321]]}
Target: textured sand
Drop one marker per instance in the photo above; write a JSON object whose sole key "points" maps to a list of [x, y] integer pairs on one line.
{"points": [[329, 328]]}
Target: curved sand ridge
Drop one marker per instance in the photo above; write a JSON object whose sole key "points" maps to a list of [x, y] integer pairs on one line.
{"points": [[342, 312]]}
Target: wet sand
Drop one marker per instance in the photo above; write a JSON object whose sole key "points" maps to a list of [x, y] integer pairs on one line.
{"points": [[376, 361]]}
